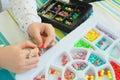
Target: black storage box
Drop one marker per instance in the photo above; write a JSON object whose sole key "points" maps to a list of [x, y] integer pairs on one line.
{"points": [[65, 16]]}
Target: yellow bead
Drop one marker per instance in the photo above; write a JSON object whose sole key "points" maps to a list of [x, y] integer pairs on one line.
{"points": [[110, 76], [86, 76], [92, 77], [102, 73]]}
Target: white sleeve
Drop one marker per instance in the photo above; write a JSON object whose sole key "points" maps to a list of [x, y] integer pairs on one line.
{"points": [[25, 12]]}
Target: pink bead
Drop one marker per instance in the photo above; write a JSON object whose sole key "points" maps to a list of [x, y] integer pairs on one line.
{"points": [[59, 78], [36, 79]]}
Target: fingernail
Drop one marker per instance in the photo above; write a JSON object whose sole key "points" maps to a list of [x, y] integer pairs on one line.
{"points": [[42, 46]]}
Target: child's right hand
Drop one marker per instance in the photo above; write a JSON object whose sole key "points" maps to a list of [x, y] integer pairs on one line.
{"points": [[43, 33], [16, 57]]}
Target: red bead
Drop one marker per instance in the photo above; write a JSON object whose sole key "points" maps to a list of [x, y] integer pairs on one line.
{"points": [[42, 46], [101, 43], [99, 74], [106, 72]]}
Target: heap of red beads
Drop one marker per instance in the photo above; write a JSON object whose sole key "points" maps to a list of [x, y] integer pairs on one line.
{"points": [[116, 69]]}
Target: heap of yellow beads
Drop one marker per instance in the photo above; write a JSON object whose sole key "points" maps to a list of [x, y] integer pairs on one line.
{"points": [[90, 77], [105, 73], [92, 35]]}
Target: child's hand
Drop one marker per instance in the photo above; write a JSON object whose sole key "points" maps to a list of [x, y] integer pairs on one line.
{"points": [[43, 33], [16, 58]]}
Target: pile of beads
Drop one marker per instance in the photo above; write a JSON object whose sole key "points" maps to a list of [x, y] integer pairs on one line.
{"points": [[92, 35], [68, 22], [40, 77], [79, 66], [63, 13], [83, 43], [56, 73], [57, 7], [68, 9], [69, 75], [106, 32], [79, 55], [95, 60], [90, 77], [59, 18], [64, 60], [105, 72], [116, 69], [49, 7], [49, 15], [104, 43], [74, 16]]}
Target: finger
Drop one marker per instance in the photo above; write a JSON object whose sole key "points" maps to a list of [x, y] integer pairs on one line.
{"points": [[38, 38], [29, 67], [27, 44], [28, 53], [32, 61], [32, 54], [49, 29], [51, 44], [50, 38]]}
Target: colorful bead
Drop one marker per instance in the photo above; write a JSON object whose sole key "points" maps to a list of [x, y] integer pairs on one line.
{"points": [[69, 75], [40, 77], [95, 60], [64, 60], [116, 69], [79, 66], [104, 43], [90, 77], [92, 35], [83, 43], [104, 72]]}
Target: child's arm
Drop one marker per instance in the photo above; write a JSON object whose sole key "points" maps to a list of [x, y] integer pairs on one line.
{"points": [[25, 12]]}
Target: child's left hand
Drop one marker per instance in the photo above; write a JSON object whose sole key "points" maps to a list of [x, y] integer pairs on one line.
{"points": [[43, 33]]}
